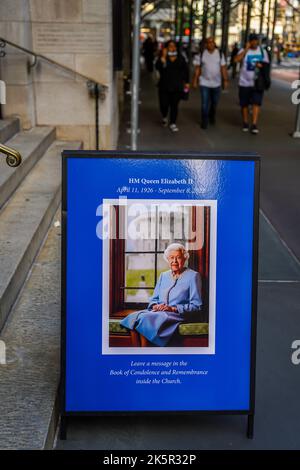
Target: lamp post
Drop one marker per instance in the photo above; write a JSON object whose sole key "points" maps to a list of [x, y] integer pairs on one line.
{"points": [[135, 86]]}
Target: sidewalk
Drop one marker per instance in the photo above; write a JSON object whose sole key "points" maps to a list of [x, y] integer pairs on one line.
{"points": [[280, 165]]}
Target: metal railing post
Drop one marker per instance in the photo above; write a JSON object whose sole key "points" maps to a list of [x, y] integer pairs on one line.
{"points": [[97, 115], [135, 84], [296, 133], [2, 54]]}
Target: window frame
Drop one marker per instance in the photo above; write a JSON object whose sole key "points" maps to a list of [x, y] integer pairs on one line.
{"points": [[199, 261]]}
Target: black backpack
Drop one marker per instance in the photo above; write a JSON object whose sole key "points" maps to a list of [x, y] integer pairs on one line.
{"points": [[263, 78]]}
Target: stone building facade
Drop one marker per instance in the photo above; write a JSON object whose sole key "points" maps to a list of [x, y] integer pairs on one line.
{"points": [[74, 33]]}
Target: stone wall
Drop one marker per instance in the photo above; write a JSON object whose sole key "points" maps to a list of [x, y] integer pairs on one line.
{"points": [[75, 33], [15, 25]]}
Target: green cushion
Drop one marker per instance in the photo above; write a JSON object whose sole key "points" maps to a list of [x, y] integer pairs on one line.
{"points": [[116, 328], [185, 329], [193, 329]]}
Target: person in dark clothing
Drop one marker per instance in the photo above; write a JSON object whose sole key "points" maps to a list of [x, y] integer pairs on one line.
{"points": [[149, 52], [233, 64], [174, 81], [279, 51]]}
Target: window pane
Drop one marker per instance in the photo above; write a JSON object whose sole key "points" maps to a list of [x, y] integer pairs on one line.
{"points": [[174, 226], [141, 224], [139, 270], [162, 265], [140, 245], [138, 295]]}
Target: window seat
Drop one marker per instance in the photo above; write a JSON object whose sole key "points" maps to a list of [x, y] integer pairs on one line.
{"points": [[185, 329]]}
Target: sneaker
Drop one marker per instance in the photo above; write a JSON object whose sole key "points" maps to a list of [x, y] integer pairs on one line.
{"points": [[174, 128], [254, 129], [204, 125], [245, 127], [165, 122]]}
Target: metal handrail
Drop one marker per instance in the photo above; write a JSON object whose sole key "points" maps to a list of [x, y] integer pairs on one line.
{"points": [[96, 89], [13, 157], [36, 55]]}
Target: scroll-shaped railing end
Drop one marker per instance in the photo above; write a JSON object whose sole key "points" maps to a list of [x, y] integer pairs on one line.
{"points": [[13, 157]]}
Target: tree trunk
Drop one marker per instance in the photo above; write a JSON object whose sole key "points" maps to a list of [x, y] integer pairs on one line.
{"points": [[204, 19], [269, 19], [176, 18], [248, 21], [215, 22], [191, 31], [262, 17], [273, 26], [226, 6]]}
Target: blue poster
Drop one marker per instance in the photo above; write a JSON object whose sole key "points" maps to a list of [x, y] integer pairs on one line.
{"points": [[159, 282]]}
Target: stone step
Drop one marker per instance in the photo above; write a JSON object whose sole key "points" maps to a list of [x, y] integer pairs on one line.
{"points": [[8, 128], [29, 379], [32, 145], [24, 222]]}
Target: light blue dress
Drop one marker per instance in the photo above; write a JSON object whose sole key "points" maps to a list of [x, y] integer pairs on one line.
{"points": [[183, 293]]}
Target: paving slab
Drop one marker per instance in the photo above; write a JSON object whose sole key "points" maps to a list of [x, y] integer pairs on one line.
{"points": [[277, 421], [276, 262]]}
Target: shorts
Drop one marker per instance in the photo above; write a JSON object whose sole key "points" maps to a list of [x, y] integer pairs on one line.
{"points": [[248, 96]]}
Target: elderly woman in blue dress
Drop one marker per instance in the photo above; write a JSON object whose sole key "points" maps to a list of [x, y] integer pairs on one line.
{"points": [[176, 297]]}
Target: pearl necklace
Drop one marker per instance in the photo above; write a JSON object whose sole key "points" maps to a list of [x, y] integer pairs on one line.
{"points": [[178, 276]]}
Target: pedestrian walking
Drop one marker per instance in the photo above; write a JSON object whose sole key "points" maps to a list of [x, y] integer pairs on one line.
{"points": [[149, 48], [279, 50], [210, 70], [173, 83], [233, 64], [255, 69]]}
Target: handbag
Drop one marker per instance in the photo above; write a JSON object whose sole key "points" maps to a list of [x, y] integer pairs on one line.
{"points": [[185, 94]]}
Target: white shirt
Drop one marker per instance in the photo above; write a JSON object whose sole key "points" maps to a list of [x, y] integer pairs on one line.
{"points": [[247, 73], [210, 63]]}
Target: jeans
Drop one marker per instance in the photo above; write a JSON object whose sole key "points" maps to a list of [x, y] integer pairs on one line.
{"points": [[209, 101], [169, 101]]}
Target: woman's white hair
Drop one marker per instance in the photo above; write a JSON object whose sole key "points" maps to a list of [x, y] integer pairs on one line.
{"points": [[176, 247]]}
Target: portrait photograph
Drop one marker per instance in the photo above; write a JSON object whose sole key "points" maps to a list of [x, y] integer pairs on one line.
{"points": [[159, 260]]}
